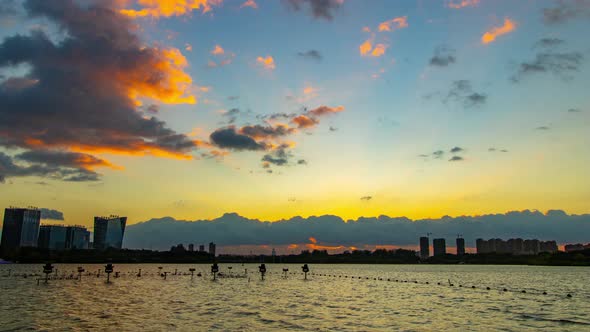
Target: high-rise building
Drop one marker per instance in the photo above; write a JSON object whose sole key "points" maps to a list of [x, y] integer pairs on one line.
{"points": [[212, 248], [439, 247], [424, 247], [460, 246], [60, 237], [191, 247], [202, 248], [77, 237], [20, 228], [52, 237], [108, 232]]}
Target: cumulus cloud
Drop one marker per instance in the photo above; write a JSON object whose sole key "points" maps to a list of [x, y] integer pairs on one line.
{"points": [[51, 214], [266, 62], [566, 10], [84, 92], [311, 55], [278, 157], [320, 9], [266, 131], [443, 57], [304, 121], [552, 225], [457, 149], [228, 138], [68, 171], [495, 32]]}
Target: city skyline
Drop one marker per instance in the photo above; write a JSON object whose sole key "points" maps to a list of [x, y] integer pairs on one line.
{"points": [[279, 109]]}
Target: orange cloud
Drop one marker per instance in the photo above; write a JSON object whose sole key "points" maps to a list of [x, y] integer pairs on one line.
{"points": [[462, 4], [394, 24], [218, 50], [137, 149], [171, 86], [303, 121], [250, 3], [490, 36], [324, 110], [188, 47], [167, 8], [366, 47], [267, 62], [313, 240], [379, 50]]}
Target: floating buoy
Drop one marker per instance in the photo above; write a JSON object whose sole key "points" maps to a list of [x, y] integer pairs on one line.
{"points": [[505, 290], [523, 291], [544, 293], [488, 288], [569, 295]]}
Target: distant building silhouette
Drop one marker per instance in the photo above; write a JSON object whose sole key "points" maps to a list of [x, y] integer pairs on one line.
{"points": [[212, 248], [202, 248], [179, 249], [576, 247], [191, 247], [439, 247], [109, 231], [424, 247], [460, 246], [515, 246], [20, 228]]}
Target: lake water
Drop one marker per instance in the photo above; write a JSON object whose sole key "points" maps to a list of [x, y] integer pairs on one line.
{"points": [[328, 302]]}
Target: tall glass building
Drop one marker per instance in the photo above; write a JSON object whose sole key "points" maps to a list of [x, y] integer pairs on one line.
{"points": [[108, 232], [20, 228], [60, 237]]}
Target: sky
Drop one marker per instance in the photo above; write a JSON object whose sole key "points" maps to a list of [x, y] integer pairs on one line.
{"points": [[275, 109]]}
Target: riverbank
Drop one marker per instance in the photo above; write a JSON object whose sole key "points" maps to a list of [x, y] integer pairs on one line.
{"points": [[400, 256]]}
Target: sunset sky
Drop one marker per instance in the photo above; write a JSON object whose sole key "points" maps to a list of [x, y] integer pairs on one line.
{"points": [[274, 109]]}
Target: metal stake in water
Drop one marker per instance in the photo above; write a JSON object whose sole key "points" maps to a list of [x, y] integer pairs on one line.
{"points": [[214, 270], [262, 269], [80, 271], [108, 269], [305, 270], [192, 271], [47, 269]]}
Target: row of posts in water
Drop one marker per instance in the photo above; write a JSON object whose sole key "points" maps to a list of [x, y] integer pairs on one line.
{"points": [[109, 268]]}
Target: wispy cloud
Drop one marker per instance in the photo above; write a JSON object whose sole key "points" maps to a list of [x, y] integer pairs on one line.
{"points": [[311, 55], [443, 57], [394, 24], [458, 4], [168, 8], [495, 32]]}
